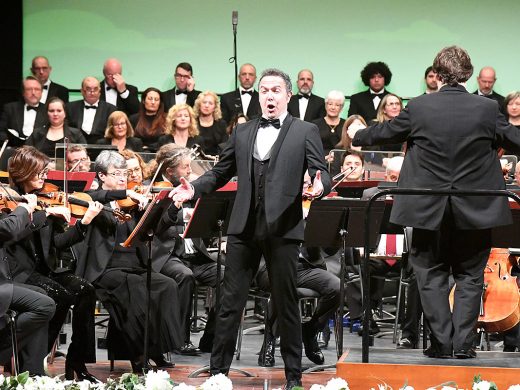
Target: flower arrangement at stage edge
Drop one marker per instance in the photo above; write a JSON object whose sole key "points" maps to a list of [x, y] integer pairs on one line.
{"points": [[333, 384], [479, 384]]}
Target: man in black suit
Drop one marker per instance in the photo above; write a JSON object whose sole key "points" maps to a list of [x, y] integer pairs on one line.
{"points": [[430, 79], [41, 69], [90, 115], [244, 100], [486, 81], [34, 309], [449, 147], [23, 117], [270, 156], [305, 105], [375, 75], [116, 91], [184, 90]]}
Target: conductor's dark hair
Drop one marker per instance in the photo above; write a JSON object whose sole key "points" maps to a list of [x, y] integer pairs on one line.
{"points": [[373, 68], [453, 65], [278, 73]]}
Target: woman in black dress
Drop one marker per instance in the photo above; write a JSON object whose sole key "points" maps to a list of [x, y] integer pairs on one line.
{"points": [[119, 273], [42, 257], [150, 122], [120, 133], [181, 128], [209, 120], [330, 126]]}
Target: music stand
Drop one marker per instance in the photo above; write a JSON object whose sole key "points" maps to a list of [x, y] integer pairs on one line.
{"points": [[210, 218], [339, 223], [143, 233]]}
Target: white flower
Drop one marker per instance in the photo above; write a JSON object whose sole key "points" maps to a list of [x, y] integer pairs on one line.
{"points": [[217, 382], [407, 388], [159, 380], [337, 384], [184, 386], [482, 385], [448, 388], [512, 387], [317, 387]]}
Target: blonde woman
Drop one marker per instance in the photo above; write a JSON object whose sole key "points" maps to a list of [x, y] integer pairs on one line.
{"points": [[181, 127]]}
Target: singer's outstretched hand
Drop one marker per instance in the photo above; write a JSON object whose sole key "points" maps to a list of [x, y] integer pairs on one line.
{"points": [[317, 188], [183, 192]]}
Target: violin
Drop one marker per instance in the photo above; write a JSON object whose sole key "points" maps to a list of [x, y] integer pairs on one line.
{"points": [[9, 199], [77, 202], [128, 203], [500, 303]]}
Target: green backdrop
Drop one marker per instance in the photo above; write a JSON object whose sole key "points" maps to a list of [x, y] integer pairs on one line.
{"points": [[334, 38]]}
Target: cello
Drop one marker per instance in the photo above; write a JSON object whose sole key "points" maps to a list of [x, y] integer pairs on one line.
{"points": [[500, 302]]}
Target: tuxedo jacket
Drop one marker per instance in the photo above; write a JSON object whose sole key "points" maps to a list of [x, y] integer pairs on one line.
{"points": [[496, 97], [362, 104], [231, 105], [169, 98], [11, 226], [12, 118], [59, 91], [75, 117], [297, 148], [315, 107], [452, 139], [130, 105]]}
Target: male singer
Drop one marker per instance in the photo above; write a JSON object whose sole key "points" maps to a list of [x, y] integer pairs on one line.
{"points": [[270, 155], [452, 139]]}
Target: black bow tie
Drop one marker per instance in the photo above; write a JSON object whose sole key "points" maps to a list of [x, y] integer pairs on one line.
{"points": [[179, 91], [264, 122], [304, 95], [248, 92], [28, 108], [108, 88], [87, 107], [374, 95], [45, 87]]}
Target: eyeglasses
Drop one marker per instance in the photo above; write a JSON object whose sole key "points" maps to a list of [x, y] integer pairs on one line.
{"points": [[84, 159], [134, 171], [118, 173], [122, 124], [43, 174], [182, 76], [91, 90]]}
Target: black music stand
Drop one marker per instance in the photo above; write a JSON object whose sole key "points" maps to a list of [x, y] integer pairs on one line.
{"points": [[210, 218], [143, 234], [339, 223]]}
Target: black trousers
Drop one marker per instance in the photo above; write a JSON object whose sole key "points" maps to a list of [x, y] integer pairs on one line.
{"points": [[67, 289], [433, 255], [35, 310], [242, 261], [320, 280]]}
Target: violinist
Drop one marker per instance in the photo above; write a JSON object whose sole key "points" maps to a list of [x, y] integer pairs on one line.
{"points": [[34, 308], [79, 161], [189, 262], [40, 255], [354, 165], [137, 169], [119, 274]]}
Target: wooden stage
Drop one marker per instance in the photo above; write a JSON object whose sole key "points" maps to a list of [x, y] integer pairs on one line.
{"points": [[391, 367]]}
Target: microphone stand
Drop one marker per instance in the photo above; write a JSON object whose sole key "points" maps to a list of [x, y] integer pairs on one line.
{"points": [[234, 20]]}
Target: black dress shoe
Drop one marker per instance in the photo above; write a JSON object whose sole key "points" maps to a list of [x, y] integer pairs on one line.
{"points": [[161, 362], [188, 349], [290, 384], [509, 348], [406, 343], [310, 344], [80, 370], [469, 353], [373, 329], [266, 355], [437, 353]]}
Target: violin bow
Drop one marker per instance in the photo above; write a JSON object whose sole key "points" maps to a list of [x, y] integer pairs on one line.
{"points": [[148, 189]]}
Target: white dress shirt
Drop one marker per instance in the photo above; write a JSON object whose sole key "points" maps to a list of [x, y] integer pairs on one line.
{"points": [[245, 99], [88, 117], [266, 137]]}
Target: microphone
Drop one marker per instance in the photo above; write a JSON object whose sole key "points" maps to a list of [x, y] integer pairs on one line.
{"points": [[234, 20]]}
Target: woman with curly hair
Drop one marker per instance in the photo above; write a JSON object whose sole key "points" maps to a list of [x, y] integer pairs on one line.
{"points": [[181, 127], [209, 120]]}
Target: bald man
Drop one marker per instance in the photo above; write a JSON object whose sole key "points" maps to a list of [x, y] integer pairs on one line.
{"points": [[486, 81], [306, 105], [90, 115], [116, 91], [41, 69]]}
